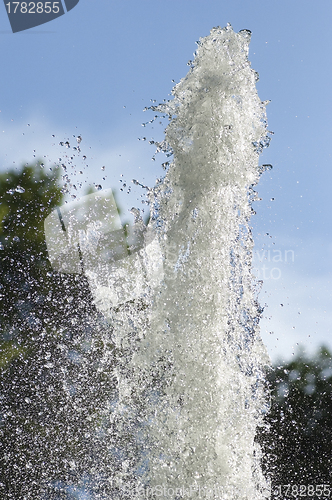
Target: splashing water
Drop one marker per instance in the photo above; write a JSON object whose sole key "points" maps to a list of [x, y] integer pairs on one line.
{"points": [[162, 393], [203, 340], [191, 382]]}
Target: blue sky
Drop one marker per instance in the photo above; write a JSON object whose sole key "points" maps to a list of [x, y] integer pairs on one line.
{"points": [[92, 71]]}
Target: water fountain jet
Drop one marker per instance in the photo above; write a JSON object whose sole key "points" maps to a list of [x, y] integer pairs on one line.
{"points": [[190, 365], [203, 329]]}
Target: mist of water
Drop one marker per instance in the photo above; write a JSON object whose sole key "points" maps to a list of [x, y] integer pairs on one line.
{"points": [[190, 389]]}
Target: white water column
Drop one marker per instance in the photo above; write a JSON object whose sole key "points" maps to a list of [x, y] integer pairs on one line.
{"points": [[203, 343]]}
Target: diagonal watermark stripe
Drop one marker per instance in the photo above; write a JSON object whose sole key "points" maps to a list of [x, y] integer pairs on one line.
{"points": [[70, 4]]}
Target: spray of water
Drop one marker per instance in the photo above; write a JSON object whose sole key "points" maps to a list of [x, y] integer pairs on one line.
{"points": [[192, 383], [180, 344]]}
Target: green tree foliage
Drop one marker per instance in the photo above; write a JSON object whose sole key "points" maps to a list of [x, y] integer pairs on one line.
{"points": [[48, 363], [27, 196], [298, 433], [34, 299]]}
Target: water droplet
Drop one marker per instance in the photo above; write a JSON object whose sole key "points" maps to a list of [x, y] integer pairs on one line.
{"points": [[103, 168], [20, 189], [16, 239], [246, 34]]}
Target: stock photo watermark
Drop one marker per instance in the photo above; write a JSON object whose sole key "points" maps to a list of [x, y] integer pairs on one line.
{"points": [[183, 491], [283, 491], [26, 15], [268, 264]]}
